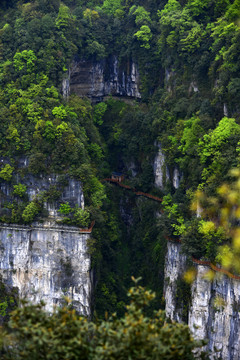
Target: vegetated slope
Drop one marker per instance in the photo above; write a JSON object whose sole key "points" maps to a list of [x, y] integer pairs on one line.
{"points": [[188, 58]]}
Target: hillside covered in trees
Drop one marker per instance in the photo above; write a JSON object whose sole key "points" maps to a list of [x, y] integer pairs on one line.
{"points": [[187, 55]]}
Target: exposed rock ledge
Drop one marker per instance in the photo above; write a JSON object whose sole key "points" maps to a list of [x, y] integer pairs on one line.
{"points": [[97, 79]]}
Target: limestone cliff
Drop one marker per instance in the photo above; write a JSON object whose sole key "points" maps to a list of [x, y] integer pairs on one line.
{"points": [[97, 79], [210, 308], [214, 306], [174, 269], [46, 260]]}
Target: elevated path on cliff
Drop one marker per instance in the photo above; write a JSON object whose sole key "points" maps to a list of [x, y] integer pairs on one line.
{"points": [[194, 260], [135, 191], [207, 262], [49, 227]]}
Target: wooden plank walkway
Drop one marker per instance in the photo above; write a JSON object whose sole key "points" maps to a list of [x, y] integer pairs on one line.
{"points": [[138, 193], [206, 262]]}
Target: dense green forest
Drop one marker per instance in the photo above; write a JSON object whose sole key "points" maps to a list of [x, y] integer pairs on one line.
{"points": [[187, 53]]}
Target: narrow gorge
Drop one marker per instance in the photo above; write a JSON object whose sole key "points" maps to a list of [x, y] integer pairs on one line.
{"points": [[47, 260], [119, 168]]}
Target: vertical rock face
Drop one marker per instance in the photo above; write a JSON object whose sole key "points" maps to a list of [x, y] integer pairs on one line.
{"points": [[215, 306], [131, 166], [46, 262], [160, 169], [193, 87], [66, 86], [215, 311], [71, 192], [174, 269], [96, 79], [176, 178], [225, 110]]}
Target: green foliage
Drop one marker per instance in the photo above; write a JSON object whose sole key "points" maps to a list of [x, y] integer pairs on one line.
{"points": [[63, 17], [37, 163], [53, 193], [19, 190], [96, 152], [144, 35], [81, 217], [233, 11], [3, 308], [215, 139], [212, 150], [76, 216], [193, 40], [201, 239], [94, 48], [225, 206], [142, 16], [6, 172], [173, 213], [96, 191], [31, 211], [25, 60], [191, 133], [99, 111], [197, 7], [65, 209], [90, 15], [59, 112], [8, 301], [111, 6], [38, 335], [188, 75]]}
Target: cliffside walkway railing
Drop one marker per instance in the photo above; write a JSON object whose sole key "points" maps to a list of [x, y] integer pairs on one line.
{"points": [[46, 227], [88, 230], [136, 192], [207, 262], [216, 268]]}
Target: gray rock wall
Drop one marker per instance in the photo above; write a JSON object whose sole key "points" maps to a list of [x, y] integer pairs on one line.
{"points": [[214, 313], [174, 269], [71, 192], [215, 306], [97, 79], [161, 170], [46, 262]]}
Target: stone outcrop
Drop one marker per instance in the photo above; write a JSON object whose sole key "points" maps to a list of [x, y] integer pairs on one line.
{"points": [[176, 178], [47, 262], [214, 313], [214, 306], [71, 191], [161, 171], [97, 79], [174, 269]]}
